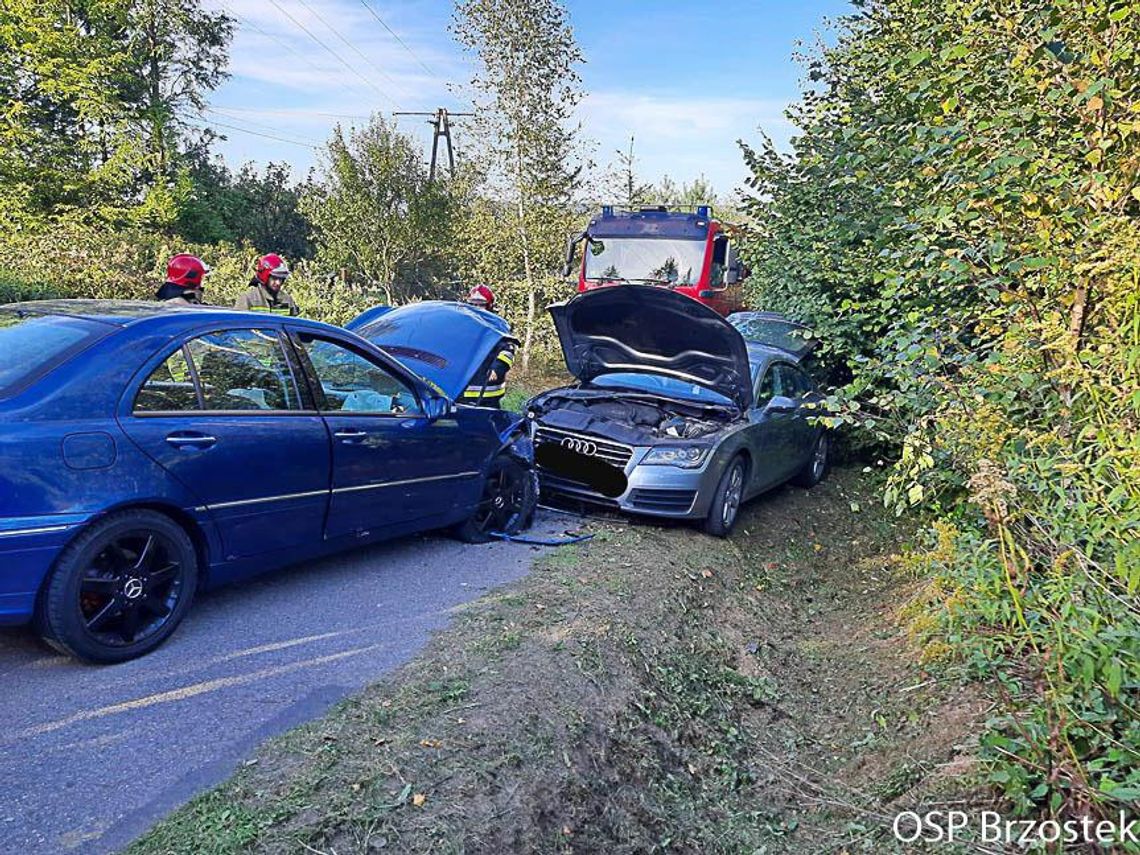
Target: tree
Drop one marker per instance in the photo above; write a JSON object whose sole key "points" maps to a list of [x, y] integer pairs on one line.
{"points": [[95, 93], [958, 221], [527, 88], [62, 71], [622, 183], [375, 213], [666, 192], [178, 54], [268, 212]]}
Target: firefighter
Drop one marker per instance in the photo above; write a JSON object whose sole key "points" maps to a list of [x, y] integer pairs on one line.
{"points": [[266, 292], [490, 392], [184, 281]]}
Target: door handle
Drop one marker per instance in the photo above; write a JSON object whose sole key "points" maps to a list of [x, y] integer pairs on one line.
{"points": [[350, 436], [193, 440]]}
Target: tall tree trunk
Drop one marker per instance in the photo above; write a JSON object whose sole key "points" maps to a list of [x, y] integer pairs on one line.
{"points": [[524, 244], [154, 74]]}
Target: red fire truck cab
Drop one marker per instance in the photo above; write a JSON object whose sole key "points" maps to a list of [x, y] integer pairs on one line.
{"points": [[686, 251]]}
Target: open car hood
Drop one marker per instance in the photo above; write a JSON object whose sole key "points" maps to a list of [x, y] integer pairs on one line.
{"points": [[445, 343], [651, 330]]}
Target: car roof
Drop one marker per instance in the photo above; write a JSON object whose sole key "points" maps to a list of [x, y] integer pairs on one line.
{"points": [[760, 354], [126, 313]]}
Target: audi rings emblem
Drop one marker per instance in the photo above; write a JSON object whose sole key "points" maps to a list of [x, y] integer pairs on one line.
{"points": [[582, 446]]}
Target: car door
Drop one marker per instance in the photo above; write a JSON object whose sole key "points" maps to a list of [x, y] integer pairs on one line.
{"points": [[391, 465], [772, 430], [224, 415], [800, 389]]}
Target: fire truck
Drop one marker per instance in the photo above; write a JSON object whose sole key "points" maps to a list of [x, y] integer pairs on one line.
{"points": [[684, 250]]}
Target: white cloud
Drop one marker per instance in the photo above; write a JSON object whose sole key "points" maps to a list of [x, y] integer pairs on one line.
{"points": [[283, 82], [682, 137]]}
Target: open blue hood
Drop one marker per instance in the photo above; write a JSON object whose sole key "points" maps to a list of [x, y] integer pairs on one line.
{"points": [[445, 343]]}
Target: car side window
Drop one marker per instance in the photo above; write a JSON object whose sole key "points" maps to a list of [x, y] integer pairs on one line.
{"points": [[770, 386], [800, 382], [169, 388], [353, 383], [243, 370]]}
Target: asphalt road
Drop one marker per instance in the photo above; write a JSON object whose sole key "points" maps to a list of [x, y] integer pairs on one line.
{"points": [[91, 756]]}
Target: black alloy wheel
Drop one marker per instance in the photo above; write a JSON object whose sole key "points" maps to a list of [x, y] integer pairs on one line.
{"points": [[510, 495], [120, 588]]}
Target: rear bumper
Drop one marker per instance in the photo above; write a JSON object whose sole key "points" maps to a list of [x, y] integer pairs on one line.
{"points": [[28, 548]]}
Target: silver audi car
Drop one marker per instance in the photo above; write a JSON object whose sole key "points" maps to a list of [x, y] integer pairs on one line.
{"points": [[677, 412]]}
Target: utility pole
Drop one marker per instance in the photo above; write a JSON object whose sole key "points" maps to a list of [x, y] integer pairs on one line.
{"points": [[441, 124]]}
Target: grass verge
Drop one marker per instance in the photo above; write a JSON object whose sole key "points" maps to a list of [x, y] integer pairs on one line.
{"points": [[651, 690]]}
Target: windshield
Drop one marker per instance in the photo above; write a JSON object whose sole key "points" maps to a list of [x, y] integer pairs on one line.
{"points": [[31, 344], [664, 260], [772, 330], [659, 384]]}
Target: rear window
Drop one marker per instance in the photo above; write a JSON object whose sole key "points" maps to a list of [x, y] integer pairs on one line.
{"points": [[773, 330], [32, 344]]}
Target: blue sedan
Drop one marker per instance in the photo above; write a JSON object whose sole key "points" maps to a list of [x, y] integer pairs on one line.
{"points": [[149, 452]]}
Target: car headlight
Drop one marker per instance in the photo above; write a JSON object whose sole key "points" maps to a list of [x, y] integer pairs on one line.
{"points": [[685, 456]]}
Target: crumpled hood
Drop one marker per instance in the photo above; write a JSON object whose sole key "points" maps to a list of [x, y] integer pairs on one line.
{"points": [[445, 343], [651, 330]]}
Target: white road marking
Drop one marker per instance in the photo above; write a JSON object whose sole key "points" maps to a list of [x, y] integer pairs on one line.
{"points": [[184, 692]]}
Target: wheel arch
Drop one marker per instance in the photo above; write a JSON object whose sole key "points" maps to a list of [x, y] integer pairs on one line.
{"points": [[745, 454], [186, 522]]}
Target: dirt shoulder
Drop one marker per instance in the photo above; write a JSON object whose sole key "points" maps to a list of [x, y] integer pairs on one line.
{"points": [[653, 689]]}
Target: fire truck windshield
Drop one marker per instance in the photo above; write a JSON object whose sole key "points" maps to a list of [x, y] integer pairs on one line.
{"points": [[667, 261]]}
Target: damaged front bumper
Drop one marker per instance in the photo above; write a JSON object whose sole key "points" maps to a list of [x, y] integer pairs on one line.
{"points": [[607, 474]]}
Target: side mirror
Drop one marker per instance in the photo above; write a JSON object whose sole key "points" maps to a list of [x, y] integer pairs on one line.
{"points": [[571, 252], [781, 404], [436, 407]]}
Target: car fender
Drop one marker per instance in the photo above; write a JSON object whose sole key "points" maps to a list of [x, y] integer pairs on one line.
{"points": [[516, 437], [736, 441]]}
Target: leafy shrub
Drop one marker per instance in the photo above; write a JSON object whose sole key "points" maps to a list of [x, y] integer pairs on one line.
{"points": [[959, 222]]}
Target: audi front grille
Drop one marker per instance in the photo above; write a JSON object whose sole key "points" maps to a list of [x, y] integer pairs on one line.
{"points": [[613, 453]]}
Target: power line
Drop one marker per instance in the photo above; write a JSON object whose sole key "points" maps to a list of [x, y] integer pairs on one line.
{"points": [[376, 15], [247, 22], [257, 134], [337, 56], [352, 47], [300, 112], [225, 115]]}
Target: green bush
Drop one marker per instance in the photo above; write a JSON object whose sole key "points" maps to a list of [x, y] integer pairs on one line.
{"points": [[74, 260], [959, 223]]}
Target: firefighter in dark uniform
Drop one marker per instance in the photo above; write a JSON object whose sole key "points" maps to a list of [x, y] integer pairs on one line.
{"points": [[490, 392], [185, 275], [266, 292]]}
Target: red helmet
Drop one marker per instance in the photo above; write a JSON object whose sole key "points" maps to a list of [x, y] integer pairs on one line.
{"points": [[482, 296], [186, 271], [271, 266]]}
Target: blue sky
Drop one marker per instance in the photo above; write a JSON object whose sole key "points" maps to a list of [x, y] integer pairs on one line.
{"points": [[685, 78]]}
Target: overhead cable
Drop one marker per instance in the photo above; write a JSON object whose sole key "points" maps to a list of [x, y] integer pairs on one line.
{"points": [[352, 47], [335, 55], [396, 36]]}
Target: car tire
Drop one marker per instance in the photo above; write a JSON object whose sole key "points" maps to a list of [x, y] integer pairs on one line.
{"points": [[120, 588], [506, 505], [727, 499], [818, 465]]}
